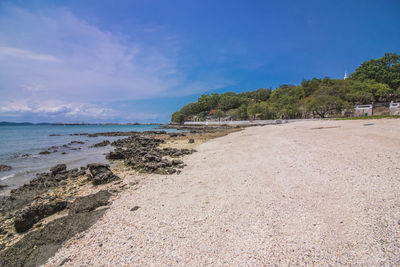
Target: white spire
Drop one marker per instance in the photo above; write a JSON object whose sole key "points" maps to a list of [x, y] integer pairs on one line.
{"points": [[345, 76]]}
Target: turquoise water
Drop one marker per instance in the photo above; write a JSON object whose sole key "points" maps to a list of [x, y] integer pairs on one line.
{"points": [[17, 141]]}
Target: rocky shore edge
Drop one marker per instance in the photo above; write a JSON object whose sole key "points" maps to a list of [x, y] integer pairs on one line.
{"points": [[36, 218]]}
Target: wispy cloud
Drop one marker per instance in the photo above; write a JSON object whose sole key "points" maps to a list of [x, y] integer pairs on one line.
{"points": [[56, 108], [15, 52], [57, 56]]}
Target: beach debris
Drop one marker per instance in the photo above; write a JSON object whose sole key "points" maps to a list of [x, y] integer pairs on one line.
{"points": [[326, 127], [101, 174], [4, 168], [368, 124], [135, 208]]}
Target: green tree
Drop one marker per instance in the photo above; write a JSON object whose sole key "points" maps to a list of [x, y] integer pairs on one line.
{"points": [[228, 101], [323, 104], [378, 91], [254, 110], [191, 109], [383, 70], [219, 114], [241, 112], [177, 117], [208, 102]]}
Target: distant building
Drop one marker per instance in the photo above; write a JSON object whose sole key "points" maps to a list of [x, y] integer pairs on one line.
{"points": [[363, 110], [345, 76], [394, 108]]}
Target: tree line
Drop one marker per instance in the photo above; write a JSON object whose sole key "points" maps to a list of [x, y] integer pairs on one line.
{"points": [[376, 80]]}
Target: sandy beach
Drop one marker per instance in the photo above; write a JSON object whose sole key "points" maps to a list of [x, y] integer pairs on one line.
{"points": [[303, 193]]}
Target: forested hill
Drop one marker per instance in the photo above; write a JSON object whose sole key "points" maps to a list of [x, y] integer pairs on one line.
{"points": [[376, 80]]}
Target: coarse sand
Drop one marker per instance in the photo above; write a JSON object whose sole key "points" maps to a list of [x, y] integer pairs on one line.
{"points": [[303, 193]]}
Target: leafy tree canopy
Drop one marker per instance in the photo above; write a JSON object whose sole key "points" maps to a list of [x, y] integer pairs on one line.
{"points": [[376, 80]]}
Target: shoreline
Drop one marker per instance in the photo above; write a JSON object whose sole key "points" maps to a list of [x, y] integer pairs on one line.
{"points": [[305, 193], [67, 186], [25, 156], [284, 194]]}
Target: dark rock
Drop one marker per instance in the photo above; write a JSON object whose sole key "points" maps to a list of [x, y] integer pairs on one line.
{"points": [[90, 202], [26, 155], [117, 154], [191, 140], [58, 168], [43, 182], [177, 162], [2, 231], [28, 216], [4, 168], [142, 153], [37, 246], [101, 174], [2, 186], [44, 152], [55, 135], [135, 208], [76, 142], [154, 132], [103, 143]]}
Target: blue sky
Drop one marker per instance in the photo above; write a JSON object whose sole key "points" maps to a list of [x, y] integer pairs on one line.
{"points": [[138, 61]]}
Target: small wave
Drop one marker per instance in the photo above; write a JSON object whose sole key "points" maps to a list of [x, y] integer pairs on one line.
{"points": [[7, 177]]}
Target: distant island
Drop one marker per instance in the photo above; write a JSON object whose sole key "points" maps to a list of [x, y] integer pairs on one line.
{"points": [[376, 82]]}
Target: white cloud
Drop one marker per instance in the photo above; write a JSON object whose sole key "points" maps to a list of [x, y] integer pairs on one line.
{"points": [[59, 56], [15, 52], [56, 108], [54, 55]]}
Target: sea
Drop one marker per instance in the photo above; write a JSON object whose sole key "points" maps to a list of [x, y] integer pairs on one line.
{"points": [[20, 147]]}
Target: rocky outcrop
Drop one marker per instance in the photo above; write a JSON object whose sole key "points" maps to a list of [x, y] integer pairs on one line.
{"points": [[2, 186], [58, 169], [40, 244], [103, 143], [28, 216], [76, 142], [90, 202], [4, 168], [142, 153], [101, 174], [25, 194]]}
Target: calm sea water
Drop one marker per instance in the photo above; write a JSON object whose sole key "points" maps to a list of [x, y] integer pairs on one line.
{"points": [[20, 147]]}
